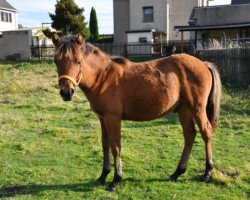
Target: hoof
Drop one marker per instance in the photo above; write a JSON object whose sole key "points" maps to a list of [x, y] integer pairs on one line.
{"points": [[100, 181], [173, 178], [206, 179], [112, 186]]}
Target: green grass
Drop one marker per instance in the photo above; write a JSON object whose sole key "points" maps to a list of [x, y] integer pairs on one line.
{"points": [[50, 149]]}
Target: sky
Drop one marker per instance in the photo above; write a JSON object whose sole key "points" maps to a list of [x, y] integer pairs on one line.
{"points": [[32, 14]]}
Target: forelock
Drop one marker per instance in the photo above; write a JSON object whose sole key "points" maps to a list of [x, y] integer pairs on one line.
{"points": [[67, 48]]}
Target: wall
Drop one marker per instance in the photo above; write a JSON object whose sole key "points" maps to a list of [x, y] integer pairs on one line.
{"points": [[220, 15], [134, 37], [234, 2], [16, 42], [6, 26], [121, 20], [180, 12], [160, 15], [128, 16]]}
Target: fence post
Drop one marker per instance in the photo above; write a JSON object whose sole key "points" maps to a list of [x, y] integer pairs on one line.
{"points": [[182, 42], [125, 50], [161, 49], [41, 53]]}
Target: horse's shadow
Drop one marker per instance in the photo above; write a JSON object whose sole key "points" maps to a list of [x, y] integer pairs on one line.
{"points": [[13, 190]]}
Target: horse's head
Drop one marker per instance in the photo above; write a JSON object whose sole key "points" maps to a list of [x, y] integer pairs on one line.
{"points": [[68, 59]]}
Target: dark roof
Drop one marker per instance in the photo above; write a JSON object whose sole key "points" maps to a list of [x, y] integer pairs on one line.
{"points": [[236, 2], [213, 27], [141, 31], [5, 5]]}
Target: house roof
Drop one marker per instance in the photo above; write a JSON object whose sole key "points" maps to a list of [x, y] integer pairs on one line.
{"points": [[141, 31], [213, 27], [5, 5], [236, 2]]}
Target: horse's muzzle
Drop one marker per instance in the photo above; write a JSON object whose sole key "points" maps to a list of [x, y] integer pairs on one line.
{"points": [[67, 93]]}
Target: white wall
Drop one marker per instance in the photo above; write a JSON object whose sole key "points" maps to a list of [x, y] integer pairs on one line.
{"points": [[134, 37], [145, 48], [7, 26]]}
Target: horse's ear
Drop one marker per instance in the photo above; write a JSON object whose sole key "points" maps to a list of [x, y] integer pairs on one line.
{"points": [[56, 39], [79, 39]]}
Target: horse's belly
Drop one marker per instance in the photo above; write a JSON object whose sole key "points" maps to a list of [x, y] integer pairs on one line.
{"points": [[149, 108], [145, 116]]}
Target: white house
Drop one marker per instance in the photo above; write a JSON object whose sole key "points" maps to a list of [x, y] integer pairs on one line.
{"points": [[8, 17]]}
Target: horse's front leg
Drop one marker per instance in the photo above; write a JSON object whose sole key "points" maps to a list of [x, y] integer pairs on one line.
{"points": [[106, 153], [113, 125]]}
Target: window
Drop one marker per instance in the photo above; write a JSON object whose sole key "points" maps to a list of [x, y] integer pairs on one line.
{"points": [[143, 40], [10, 17], [2, 16], [148, 14], [6, 17]]}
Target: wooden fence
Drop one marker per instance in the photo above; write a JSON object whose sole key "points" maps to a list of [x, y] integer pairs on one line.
{"points": [[233, 64]]}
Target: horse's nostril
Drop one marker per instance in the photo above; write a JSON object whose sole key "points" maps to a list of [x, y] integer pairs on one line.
{"points": [[61, 92], [71, 91]]}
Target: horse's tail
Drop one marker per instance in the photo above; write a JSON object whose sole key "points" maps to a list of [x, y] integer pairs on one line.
{"points": [[213, 104]]}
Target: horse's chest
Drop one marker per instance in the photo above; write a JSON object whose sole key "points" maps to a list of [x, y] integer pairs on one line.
{"points": [[97, 109], [105, 105]]}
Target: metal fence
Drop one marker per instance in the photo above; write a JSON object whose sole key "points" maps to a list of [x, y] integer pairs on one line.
{"points": [[125, 49], [42, 52]]}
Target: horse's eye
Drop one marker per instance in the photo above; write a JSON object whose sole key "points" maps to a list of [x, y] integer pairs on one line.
{"points": [[78, 62]]}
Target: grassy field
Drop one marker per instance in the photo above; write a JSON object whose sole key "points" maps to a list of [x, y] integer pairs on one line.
{"points": [[50, 149]]}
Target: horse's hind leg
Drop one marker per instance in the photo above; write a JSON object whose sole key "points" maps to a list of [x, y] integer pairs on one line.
{"points": [[206, 132], [187, 123], [106, 153]]}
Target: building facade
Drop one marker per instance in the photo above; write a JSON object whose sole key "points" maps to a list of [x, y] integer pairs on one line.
{"points": [[8, 16], [219, 26], [151, 20]]}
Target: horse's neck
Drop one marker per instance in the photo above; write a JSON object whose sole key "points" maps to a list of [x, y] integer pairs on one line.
{"points": [[95, 64]]}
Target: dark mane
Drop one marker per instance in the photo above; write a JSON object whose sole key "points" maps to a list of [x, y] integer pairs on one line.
{"points": [[90, 48], [119, 60], [67, 47]]}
